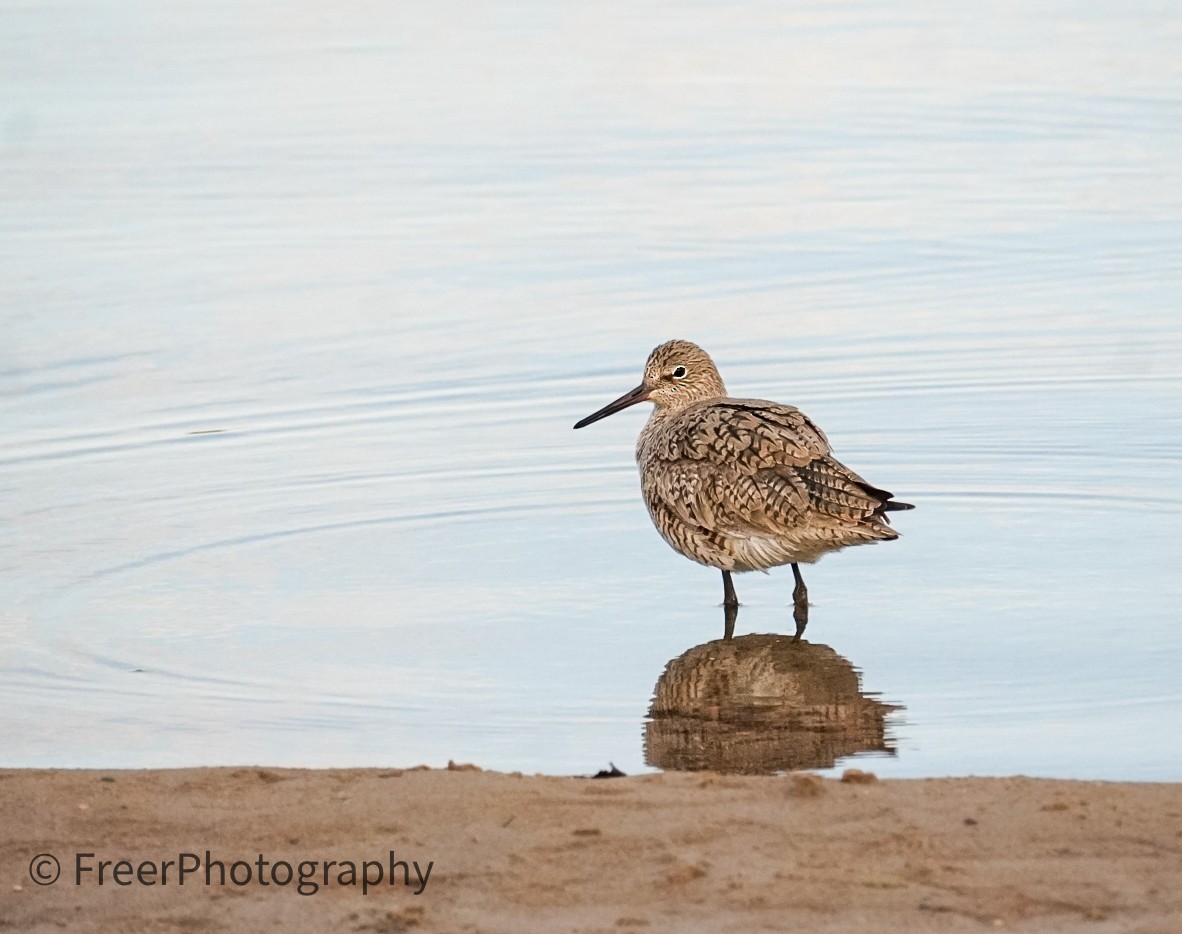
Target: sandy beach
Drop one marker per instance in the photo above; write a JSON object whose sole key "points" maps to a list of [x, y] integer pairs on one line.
{"points": [[459, 849]]}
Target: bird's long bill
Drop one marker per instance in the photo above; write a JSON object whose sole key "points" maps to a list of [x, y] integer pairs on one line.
{"points": [[639, 394]]}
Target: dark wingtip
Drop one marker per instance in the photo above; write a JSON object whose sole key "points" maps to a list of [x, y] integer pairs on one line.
{"points": [[888, 504]]}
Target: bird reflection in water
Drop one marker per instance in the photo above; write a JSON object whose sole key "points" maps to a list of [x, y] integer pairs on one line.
{"points": [[760, 704]]}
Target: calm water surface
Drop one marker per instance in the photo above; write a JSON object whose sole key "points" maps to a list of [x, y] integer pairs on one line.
{"points": [[299, 304]]}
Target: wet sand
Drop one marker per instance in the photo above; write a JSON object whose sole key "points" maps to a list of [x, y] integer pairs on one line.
{"points": [[465, 850]]}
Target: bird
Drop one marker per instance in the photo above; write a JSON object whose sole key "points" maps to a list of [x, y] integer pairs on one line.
{"points": [[743, 484]]}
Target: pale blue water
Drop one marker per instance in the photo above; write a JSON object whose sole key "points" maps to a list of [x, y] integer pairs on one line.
{"points": [[300, 303]]}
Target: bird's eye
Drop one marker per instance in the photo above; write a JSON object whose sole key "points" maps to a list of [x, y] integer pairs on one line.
{"points": [[679, 372]]}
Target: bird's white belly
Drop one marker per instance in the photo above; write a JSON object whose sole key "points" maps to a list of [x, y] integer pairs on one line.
{"points": [[747, 552], [760, 552]]}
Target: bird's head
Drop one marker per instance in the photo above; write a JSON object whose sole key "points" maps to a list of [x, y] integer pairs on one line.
{"points": [[677, 374]]}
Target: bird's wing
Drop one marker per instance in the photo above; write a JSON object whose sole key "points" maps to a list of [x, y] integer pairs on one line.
{"points": [[747, 466], [748, 433]]}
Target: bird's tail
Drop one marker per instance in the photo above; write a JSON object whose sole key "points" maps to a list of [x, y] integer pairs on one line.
{"points": [[888, 504]]}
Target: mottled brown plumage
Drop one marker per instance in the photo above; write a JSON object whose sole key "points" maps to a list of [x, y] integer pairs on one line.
{"points": [[743, 484]]}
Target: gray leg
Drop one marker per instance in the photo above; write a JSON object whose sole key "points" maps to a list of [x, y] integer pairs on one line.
{"points": [[730, 605], [729, 598], [800, 604]]}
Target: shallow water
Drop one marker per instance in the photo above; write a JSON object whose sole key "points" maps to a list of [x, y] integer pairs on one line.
{"points": [[300, 305]]}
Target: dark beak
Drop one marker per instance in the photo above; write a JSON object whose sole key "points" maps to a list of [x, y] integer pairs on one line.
{"points": [[639, 394]]}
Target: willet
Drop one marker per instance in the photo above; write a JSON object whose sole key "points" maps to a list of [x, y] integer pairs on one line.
{"points": [[743, 484]]}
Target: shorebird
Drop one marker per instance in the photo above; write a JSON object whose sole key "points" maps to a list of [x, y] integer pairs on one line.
{"points": [[743, 484]]}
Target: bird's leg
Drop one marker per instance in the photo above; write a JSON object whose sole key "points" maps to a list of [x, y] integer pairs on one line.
{"points": [[800, 604], [730, 606], [729, 597]]}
